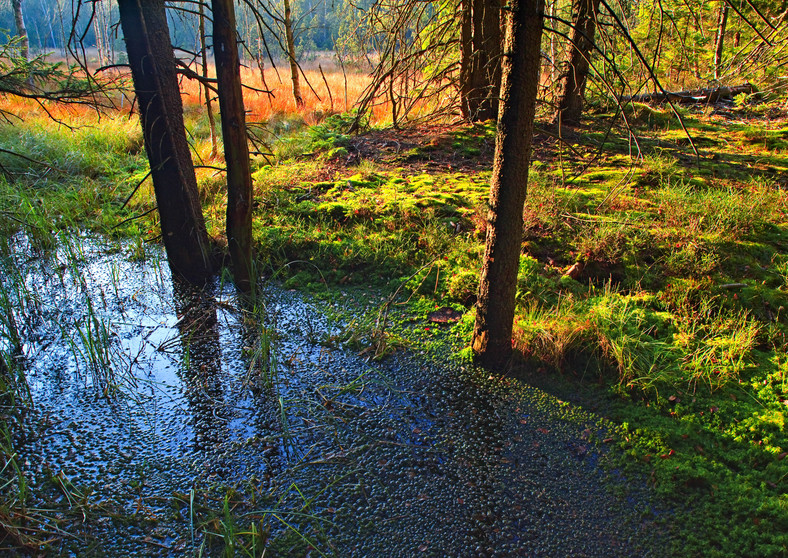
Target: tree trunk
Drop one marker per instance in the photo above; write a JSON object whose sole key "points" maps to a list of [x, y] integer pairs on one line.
{"points": [[147, 37], [99, 33], [480, 62], [299, 101], [236, 146], [20, 29], [720, 43], [570, 103], [492, 335], [206, 89], [466, 57]]}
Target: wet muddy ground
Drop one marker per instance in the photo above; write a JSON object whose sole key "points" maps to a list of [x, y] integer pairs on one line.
{"points": [[171, 422]]}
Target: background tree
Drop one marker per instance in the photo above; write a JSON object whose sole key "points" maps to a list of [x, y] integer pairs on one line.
{"points": [[287, 21], [152, 62], [480, 65], [21, 31], [719, 46], [573, 85], [492, 332], [206, 89]]}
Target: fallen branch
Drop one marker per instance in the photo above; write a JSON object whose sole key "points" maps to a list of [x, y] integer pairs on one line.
{"points": [[700, 96]]}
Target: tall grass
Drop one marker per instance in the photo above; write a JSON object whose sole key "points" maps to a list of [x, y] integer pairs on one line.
{"points": [[75, 174], [345, 90], [647, 348]]}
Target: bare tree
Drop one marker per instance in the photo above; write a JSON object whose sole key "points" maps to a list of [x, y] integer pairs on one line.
{"points": [[152, 62], [415, 51], [492, 334], [290, 41], [204, 85]]}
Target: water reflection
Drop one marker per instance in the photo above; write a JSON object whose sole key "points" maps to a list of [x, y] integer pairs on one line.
{"points": [[201, 371]]}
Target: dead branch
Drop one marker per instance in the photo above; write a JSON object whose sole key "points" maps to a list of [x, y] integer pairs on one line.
{"points": [[696, 96]]}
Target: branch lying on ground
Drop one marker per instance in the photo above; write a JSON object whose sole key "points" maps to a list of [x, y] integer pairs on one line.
{"points": [[705, 95]]}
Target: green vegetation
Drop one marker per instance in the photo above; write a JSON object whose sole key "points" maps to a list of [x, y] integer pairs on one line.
{"points": [[679, 308], [653, 290]]}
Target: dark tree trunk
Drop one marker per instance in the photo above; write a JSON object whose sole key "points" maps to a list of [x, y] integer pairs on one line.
{"points": [[152, 64], [289, 38], [720, 42], [570, 102], [21, 30], [480, 63], [236, 146], [492, 334]]}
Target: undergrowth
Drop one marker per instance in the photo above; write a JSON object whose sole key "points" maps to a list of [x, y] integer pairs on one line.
{"points": [[677, 313]]}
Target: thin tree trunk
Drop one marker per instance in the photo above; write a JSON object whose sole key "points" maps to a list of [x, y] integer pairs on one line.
{"points": [[466, 57], [97, 31], [206, 90], [147, 37], [236, 146], [720, 43], [492, 335], [570, 103], [45, 11], [63, 39], [553, 57], [21, 31], [299, 101]]}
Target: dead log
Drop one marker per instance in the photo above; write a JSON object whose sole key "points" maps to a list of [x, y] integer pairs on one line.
{"points": [[697, 96]]}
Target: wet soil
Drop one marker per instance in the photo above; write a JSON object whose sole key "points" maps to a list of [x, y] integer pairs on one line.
{"points": [[269, 409]]}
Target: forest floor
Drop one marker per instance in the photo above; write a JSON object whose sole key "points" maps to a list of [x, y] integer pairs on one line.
{"points": [[652, 290]]}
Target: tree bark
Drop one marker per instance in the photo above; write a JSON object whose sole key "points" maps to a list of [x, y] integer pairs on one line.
{"points": [[236, 146], [480, 62], [21, 30], [570, 103], [720, 42], [289, 38], [492, 335], [152, 64]]}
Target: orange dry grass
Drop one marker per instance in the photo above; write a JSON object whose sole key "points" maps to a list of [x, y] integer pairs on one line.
{"points": [[68, 113], [318, 100], [345, 91]]}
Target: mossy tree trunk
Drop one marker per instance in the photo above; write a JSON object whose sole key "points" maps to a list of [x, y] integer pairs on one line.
{"points": [[150, 53], [236, 146], [492, 335], [480, 62], [570, 102]]}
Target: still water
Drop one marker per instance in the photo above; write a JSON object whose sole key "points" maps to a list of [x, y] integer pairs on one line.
{"points": [[167, 421]]}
